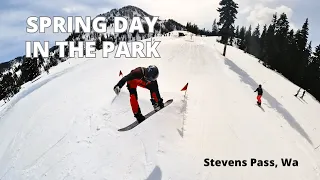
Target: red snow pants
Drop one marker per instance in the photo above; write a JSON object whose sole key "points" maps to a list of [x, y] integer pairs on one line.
{"points": [[259, 98], [132, 87]]}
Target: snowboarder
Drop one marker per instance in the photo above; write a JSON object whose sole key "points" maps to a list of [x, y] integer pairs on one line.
{"points": [[145, 78], [260, 93]]}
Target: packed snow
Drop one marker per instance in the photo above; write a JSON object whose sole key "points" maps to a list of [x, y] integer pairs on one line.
{"points": [[64, 125]]}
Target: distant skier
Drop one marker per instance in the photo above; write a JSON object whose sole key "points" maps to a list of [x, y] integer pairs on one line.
{"points": [[260, 93], [145, 78], [304, 92]]}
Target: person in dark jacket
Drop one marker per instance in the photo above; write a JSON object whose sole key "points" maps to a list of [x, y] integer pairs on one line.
{"points": [[260, 93], [145, 78]]}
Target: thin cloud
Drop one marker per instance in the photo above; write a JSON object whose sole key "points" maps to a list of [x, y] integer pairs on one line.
{"points": [[262, 15]]}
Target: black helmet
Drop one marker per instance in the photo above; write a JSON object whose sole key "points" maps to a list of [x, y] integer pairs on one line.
{"points": [[152, 73]]}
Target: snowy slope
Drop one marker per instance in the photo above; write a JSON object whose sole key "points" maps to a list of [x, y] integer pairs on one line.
{"points": [[64, 125]]}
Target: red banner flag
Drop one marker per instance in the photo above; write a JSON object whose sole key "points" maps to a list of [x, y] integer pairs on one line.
{"points": [[185, 87]]}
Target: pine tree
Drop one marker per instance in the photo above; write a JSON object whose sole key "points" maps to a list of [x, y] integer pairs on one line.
{"points": [[269, 46], [145, 28], [41, 61], [305, 77], [290, 57], [228, 12], [237, 32], [232, 35], [157, 27], [103, 38], [247, 40], [302, 53], [313, 72], [281, 42], [255, 44], [98, 44], [262, 43], [215, 29], [241, 43], [29, 69], [2, 89], [9, 85]]}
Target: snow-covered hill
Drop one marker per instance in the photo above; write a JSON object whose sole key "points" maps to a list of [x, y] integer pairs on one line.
{"points": [[64, 125]]}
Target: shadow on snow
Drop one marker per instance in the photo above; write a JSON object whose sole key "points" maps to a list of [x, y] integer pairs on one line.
{"points": [[156, 174]]}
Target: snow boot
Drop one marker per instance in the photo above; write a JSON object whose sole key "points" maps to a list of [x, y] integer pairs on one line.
{"points": [[139, 117], [157, 105]]}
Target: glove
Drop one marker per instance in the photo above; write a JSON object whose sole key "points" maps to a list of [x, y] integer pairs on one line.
{"points": [[117, 89]]}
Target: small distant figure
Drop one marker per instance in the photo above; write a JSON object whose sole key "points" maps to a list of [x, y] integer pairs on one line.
{"points": [[304, 92], [260, 93], [297, 92]]}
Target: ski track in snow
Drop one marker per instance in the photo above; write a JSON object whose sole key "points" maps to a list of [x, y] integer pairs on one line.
{"points": [[64, 125]]}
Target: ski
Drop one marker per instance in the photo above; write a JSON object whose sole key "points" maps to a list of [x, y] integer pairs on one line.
{"points": [[136, 123]]}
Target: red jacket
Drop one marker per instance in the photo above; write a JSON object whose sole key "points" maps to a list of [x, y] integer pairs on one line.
{"points": [[134, 78]]}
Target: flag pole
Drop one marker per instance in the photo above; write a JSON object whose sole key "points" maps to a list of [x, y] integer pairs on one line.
{"points": [[185, 88]]}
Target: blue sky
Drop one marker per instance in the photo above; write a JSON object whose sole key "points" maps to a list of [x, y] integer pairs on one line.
{"points": [[13, 15]]}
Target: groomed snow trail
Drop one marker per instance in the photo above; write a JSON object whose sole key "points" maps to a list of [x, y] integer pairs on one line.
{"points": [[64, 125]]}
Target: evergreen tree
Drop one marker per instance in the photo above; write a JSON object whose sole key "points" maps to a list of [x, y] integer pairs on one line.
{"points": [[103, 38], [192, 28], [52, 61], [157, 27], [41, 61], [262, 43], [2, 89], [228, 12], [98, 44], [290, 57], [9, 85], [215, 29], [247, 40], [269, 46], [145, 28], [281, 42], [237, 32], [302, 52], [241, 43], [313, 73], [232, 35], [255, 43], [306, 76], [29, 69]]}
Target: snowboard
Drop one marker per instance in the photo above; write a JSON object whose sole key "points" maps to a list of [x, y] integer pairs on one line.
{"points": [[136, 123]]}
